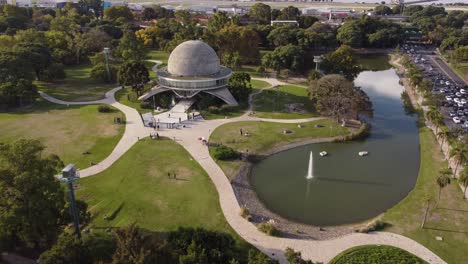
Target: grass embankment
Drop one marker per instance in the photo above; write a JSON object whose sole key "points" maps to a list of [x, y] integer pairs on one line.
{"points": [[129, 98], [273, 103], [448, 219], [236, 111], [65, 131], [376, 254], [136, 189], [77, 85], [265, 136]]}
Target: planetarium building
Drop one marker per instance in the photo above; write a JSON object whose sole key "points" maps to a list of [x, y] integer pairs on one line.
{"points": [[193, 67]]}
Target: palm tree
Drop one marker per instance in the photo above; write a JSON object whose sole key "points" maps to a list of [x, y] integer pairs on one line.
{"points": [[460, 153], [443, 134], [463, 179], [434, 116], [443, 180]]}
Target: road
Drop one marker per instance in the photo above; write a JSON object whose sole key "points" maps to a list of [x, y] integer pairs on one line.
{"points": [[443, 67]]}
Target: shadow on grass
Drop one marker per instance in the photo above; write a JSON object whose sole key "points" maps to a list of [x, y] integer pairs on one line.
{"points": [[446, 230], [275, 100], [114, 213]]}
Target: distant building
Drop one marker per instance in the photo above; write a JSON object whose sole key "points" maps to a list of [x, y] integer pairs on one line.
{"points": [[284, 22]]}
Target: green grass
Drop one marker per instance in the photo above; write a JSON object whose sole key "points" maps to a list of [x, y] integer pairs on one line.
{"points": [[449, 219], [461, 70], [158, 55], [257, 84], [267, 135], [272, 103], [77, 86], [136, 189], [65, 131], [376, 254], [129, 98]]}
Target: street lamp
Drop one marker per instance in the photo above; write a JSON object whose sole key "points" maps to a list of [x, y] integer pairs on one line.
{"points": [[317, 60], [69, 175], [106, 56]]}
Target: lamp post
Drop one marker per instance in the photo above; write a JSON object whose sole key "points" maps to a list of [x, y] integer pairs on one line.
{"points": [[69, 175], [106, 56], [317, 60]]}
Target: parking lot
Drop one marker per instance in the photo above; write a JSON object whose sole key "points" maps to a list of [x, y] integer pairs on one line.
{"points": [[452, 90]]}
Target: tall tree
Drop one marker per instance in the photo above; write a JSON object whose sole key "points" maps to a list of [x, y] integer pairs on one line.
{"points": [[337, 97], [244, 41], [443, 180], [240, 87], [463, 179], [130, 246], [134, 74], [219, 20], [460, 153], [130, 47], [31, 199], [341, 61], [261, 12]]}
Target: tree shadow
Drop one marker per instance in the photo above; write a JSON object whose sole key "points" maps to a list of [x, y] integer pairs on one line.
{"points": [[114, 213]]}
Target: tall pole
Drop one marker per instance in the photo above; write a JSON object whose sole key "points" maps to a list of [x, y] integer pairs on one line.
{"points": [[106, 55], [73, 210]]}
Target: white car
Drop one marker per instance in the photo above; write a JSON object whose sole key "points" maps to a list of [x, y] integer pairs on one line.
{"points": [[447, 83], [463, 101], [456, 120], [448, 98], [456, 100], [441, 81], [462, 91]]}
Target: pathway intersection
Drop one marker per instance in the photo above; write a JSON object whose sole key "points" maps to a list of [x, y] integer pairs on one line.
{"points": [[323, 250]]}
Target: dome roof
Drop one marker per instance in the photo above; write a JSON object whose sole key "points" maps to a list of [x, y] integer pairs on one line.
{"points": [[193, 58]]}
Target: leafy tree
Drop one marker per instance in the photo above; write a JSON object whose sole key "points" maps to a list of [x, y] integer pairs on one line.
{"points": [[460, 153], [350, 33], [219, 20], [261, 12], [257, 257], [93, 41], [60, 45], [134, 74], [341, 61], [37, 55], [338, 98], [67, 250], [130, 246], [283, 35], [240, 87], [130, 48], [313, 75], [411, 9], [91, 7], [443, 180], [285, 57], [383, 10], [148, 13], [295, 257], [463, 179], [31, 199], [306, 21], [152, 36], [235, 39], [289, 13], [118, 13]]}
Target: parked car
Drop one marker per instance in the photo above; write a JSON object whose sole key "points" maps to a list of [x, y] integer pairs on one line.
{"points": [[456, 120]]}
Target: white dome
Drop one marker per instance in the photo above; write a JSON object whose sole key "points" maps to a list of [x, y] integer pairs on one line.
{"points": [[193, 58]]}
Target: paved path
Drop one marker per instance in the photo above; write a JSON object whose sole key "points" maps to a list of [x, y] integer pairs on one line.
{"points": [[322, 251]]}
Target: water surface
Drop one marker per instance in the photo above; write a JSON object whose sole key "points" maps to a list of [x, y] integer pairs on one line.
{"points": [[347, 188]]}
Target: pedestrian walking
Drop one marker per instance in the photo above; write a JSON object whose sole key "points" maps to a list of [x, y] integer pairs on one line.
{"points": [[241, 132], [175, 176]]}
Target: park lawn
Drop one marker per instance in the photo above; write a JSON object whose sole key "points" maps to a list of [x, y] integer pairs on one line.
{"points": [[136, 189], [129, 98], [65, 131], [77, 85], [376, 254], [158, 55], [449, 219], [265, 136], [257, 84], [272, 103]]}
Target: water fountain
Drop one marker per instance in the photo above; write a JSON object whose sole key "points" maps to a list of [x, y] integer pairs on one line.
{"points": [[310, 172]]}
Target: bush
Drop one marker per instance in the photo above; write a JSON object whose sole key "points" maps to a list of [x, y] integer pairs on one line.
{"points": [[224, 153], [99, 72], [146, 105], [105, 109], [214, 110], [54, 72], [244, 212], [375, 225], [268, 228]]}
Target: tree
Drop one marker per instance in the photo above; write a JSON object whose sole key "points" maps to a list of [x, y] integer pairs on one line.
{"points": [[91, 7], [289, 13], [341, 61], [244, 41], [463, 180], [152, 36], [130, 246], [443, 180], [67, 250], [444, 134], [93, 41], [130, 48], [295, 257], [134, 74], [257, 257], [337, 97], [306, 21], [460, 153], [261, 12], [240, 87], [118, 13], [219, 20], [383, 10], [37, 55], [31, 199], [285, 57], [350, 33]]}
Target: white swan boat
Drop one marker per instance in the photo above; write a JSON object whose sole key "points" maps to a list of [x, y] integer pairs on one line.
{"points": [[323, 153], [363, 153]]}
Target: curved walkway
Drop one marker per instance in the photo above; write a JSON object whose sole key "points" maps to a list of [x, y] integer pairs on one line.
{"points": [[322, 251]]}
